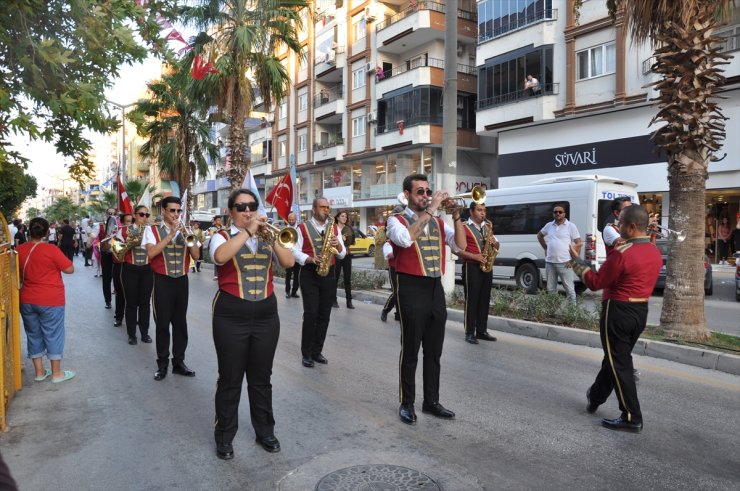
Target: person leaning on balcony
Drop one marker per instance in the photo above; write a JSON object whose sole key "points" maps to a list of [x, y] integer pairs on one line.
{"points": [[532, 85]]}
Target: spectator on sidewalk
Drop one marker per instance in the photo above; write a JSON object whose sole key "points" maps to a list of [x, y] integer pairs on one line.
{"points": [[42, 301], [556, 238], [723, 240]]}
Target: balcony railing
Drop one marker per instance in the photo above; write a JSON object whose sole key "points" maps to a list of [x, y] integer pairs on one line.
{"points": [[325, 96], [516, 22], [409, 65], [730, 39], [410, 123], [423, 5], [519, 95], [331, 144]]}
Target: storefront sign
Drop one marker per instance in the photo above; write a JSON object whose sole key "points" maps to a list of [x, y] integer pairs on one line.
{"points": [[339, 197], [463, 184], [624, 152]]}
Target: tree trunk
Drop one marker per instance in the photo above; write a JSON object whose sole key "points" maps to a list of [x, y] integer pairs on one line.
{"points": [[683, 297], [237, 145]]}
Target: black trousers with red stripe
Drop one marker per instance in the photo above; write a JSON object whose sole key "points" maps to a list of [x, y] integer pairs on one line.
{"points": [[477, 287], [245, 335], [421, 303], [621, 324]]}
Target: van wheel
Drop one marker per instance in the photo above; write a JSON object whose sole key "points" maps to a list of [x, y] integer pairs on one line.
{"points": [[371, 250], [527, 278]]}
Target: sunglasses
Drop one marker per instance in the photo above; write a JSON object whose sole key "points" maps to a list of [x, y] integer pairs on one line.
{"points": [[422, 191], [558, 212], [252, 205], [142, 215], [174, 210]]}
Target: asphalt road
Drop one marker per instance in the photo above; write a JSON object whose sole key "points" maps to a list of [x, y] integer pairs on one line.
{"points": [[520, 404]]}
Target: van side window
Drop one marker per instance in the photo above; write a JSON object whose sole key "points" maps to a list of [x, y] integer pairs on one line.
{"points": [[522, 219], [605, 211]]}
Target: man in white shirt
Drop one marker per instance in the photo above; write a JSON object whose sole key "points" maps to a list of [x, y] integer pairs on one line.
{"points": [[318, 292], [556, 238], [13, 229], [610, 233]]}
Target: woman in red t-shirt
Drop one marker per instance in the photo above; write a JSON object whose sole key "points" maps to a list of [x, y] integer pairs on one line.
{"points": [[42, 300]]}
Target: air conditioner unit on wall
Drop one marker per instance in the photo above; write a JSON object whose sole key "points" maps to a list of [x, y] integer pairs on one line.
{"points": [[371, 117], [369, 68]]}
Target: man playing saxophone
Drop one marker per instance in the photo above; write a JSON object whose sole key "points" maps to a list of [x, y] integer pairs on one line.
{"points": [[319, 244], [477, 272]]}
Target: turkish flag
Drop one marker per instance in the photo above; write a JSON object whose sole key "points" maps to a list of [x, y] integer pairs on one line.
{"points": [[124, 203], [281, 196], [201, 68]]}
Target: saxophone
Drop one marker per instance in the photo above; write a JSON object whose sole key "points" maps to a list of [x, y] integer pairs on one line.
{"points": [[327, 251], [488, 252]]}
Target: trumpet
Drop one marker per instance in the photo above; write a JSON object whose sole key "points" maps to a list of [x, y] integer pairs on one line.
{"points": [[285, 237], [667, 233], [451, 203], [190, 238]]}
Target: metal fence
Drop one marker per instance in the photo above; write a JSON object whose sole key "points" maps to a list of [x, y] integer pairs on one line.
{"points": [[10, 336]]}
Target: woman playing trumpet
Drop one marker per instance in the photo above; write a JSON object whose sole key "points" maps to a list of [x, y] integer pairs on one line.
{"points": [[136, 276], [246, 325]]}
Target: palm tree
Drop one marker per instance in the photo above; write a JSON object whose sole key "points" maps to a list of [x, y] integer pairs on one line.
{"points": [[688, 61], [243, 41], [177, 129], [136, 188], [62, 208], [107, 199]]}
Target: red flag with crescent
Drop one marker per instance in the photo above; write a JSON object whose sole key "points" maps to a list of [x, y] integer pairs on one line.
{"points": [[124, 203], [281, 196]]}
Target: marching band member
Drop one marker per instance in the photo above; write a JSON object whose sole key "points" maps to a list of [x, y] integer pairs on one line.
{"points": [[476, 282], [246, 325], [318, 291], [120, 310], [136, 276], [169, 258], [419, 238], [106, 257]]}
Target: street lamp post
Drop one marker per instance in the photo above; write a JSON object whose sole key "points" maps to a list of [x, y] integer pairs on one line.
{"points": [[122, 107]]}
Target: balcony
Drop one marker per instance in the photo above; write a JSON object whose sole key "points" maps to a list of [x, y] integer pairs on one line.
{"points": [[493, 29], [329, 102], [430, 72], [420, 24], [519, 106], [328, 151]]}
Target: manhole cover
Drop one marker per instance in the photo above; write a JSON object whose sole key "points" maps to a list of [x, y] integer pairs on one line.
{"points": [[379, 477]]}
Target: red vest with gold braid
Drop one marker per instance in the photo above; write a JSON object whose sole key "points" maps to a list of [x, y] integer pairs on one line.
{"points": [[174, 260], [426, 256], [313, 241], [248, 275], [474, 240], [136, 256]]}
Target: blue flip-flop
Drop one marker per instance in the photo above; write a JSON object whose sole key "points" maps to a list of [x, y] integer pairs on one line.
{"points": [[68, 374], [44, 376]]}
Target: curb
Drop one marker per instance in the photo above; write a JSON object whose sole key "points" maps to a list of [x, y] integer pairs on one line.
{"points": [[688, 355]]}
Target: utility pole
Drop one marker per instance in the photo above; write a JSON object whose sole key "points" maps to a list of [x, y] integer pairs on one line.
{"points": [[122, 157], [447, 170]]}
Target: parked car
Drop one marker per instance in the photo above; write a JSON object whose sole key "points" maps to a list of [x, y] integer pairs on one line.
{"points": [[364, 245], [660, 284]]}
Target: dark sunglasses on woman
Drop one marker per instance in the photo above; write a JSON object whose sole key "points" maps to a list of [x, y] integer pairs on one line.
{"points": [[142, 215], [252, 205]]}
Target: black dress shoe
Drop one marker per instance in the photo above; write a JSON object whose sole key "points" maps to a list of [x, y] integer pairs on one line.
{"points": [[397, 316], [383, 315], [132, 340], [183, 370], [350, 306], [320, 359], [117, 322], [287, 295], [470, 338], [146, 338], [224, 451], [591, 406], [407, 414], [437, 410], [307, 362], [336, 304], [486, 337], [107, 305], [294, 295], [621, 424], [160, 374], [269, 443]]}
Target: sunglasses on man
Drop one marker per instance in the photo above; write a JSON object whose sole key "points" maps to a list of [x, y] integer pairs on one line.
{"points": [[423, 191], [142, 215], [558, 212], [252, 206], [175, 210]]}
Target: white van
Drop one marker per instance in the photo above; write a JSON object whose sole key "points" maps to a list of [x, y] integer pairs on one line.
{"points": [[518, 213]]}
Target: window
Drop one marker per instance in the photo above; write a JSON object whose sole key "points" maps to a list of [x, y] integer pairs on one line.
{"points": [[499, 17], [358, 126], [359, 28], [302, 143], [303, 101], [422, 106], [502, 78], [283, 109], [358, 78], [596, 61], [282, 148], [520, 219]]}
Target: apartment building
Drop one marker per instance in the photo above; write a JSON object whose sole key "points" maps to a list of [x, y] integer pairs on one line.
{"points": [[365, 106], [591, 111]]}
